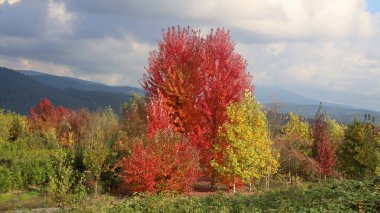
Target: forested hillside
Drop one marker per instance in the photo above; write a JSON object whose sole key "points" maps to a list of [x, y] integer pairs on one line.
{"points": [[19, 93], [62, 82]]}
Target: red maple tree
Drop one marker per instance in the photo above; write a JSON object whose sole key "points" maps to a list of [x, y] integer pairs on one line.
{"points": [[172, 73], [44, 115], [158, 118], [323, 150], [222, 80], [165, 163], [326, 153], [198, 78]]}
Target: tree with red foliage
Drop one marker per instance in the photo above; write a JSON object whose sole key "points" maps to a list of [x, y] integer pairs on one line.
{"points": [[326, 158], [222, 80], [197, 78], [167, 162], [52, 122], [44, 115], [172, 71], [323, 149], [319, 130], [158, 119]]}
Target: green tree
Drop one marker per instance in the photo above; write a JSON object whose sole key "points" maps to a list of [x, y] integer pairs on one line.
{"points": [[100, 135], [134, 114], [95, 156], [18, 128], [369, 156], [359, 154], [65, 185], [6, 119], [247, 150]]}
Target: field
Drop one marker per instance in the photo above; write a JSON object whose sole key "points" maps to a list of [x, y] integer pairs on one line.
{"points": [[331, 196]]}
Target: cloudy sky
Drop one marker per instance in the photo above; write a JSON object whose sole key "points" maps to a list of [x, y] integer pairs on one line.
{"points": [[323, 49]]}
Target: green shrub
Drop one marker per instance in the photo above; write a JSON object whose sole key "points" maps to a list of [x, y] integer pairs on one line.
{"points": [[5, 179], [23, 167], [65, 186], [37, 172]]}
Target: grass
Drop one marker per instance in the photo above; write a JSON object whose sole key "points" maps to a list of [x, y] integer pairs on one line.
{"points": [[334, 196], [33, 198], [348, 196]]}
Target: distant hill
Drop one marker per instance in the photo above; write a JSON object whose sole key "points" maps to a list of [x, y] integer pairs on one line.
{"points": [[23, 89], [19, 92], [62, 82], [292, 102], [342, 115], [267, 94]]}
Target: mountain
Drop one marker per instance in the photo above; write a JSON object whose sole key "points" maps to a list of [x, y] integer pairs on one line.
{"points": [[292, 102], [267, 95], [19, 92], [61, 82], [23, 89], [342, 115]]}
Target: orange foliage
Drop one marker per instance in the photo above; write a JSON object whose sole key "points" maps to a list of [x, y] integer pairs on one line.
{"points": [[165, 163]]}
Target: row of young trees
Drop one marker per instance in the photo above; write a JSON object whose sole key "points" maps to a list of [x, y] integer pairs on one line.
{"points": [[67, 145], [102, 139], [322, 147]]}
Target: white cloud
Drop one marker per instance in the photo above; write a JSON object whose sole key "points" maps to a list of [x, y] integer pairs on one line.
{"points": [[348, 69], [277, 48], [111, 60], [59, 19], [30, 64], [282, 19], [10, 2]]}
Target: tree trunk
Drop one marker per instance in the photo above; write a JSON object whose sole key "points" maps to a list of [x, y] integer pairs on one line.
{"points": [[325, 178], [96, 188], [213, 181], [234, 186], [250, 186], [290, 177]]}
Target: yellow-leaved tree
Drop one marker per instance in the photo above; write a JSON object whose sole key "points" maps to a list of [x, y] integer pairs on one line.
{"points": [[246, 151], [295, 146], [335, 132], [298, 132]]}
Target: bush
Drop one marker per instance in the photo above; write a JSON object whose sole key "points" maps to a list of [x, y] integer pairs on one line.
{"points": [[5, 179], [20, 168], [165, 163], [37, 171], [65, 186]]}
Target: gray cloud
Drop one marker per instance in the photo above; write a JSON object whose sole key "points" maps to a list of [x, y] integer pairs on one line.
{"points": [[322, 49]]}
